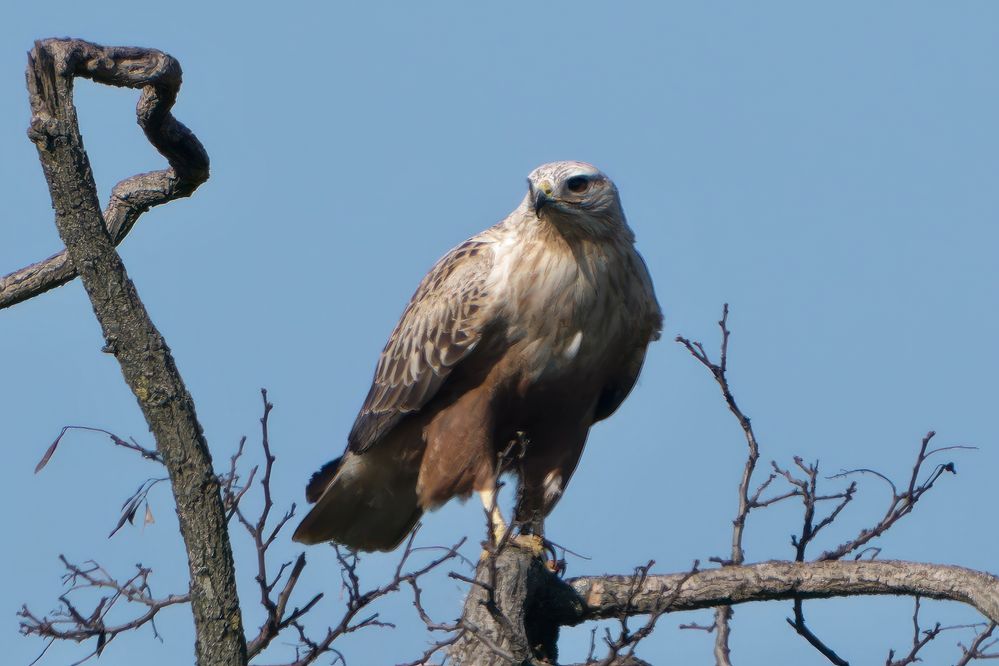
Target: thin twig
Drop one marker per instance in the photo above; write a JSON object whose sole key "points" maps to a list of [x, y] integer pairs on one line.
{"points": [[69, 623], [901, 504], [724, 613]]}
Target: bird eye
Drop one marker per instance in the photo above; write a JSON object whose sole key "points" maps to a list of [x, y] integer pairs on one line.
{"points": [[577, 184]]}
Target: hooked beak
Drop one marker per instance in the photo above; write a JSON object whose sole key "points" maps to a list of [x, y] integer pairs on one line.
{"points": [[541, 196]]}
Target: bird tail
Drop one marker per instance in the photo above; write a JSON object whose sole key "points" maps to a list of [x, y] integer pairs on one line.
{"points": [[361, 502]]}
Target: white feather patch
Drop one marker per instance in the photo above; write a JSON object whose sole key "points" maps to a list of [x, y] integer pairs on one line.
{"points": [[553, 486], [573, 347]]}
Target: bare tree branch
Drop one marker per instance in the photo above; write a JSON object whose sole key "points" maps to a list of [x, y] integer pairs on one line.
{"points": [[978, 647], [69, 623], [536, 602], [275, 590], [606, 596], [359, 601], [145, 359], [509, 613], [723, 614], [801, 628], [133, 445], [902, 503], [159, 76], [621, 649], [807, 489], [277, 616], [921, 638]]}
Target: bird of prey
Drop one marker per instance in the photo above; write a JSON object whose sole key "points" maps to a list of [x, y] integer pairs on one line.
{"points": [[529, 332]]}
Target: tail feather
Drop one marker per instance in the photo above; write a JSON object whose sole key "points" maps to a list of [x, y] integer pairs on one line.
{"points": [[320, 481], [361, 503]]}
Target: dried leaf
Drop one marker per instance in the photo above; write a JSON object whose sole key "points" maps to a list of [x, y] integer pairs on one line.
{"points": [[135, 496], [48, 452], [127, 515], [148, 520]]}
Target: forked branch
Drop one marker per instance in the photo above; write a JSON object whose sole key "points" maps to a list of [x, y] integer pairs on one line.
{"points": [[158, 76], [129, 333], [723, 614], [278, 585]]}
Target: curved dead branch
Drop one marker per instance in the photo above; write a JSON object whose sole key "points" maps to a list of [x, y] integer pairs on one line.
{"points": [[146, 362], [159, 77]]}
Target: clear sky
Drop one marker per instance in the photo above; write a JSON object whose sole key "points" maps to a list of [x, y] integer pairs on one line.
{"points": [[827, 169]]}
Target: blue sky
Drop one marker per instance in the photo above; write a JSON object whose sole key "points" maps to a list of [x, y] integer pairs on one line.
{"points": [[828, 170]]}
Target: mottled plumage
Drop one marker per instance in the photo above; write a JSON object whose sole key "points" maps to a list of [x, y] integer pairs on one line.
{"points": [[530, 331]]}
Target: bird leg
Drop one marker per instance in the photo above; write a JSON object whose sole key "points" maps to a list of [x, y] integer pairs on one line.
{"points": [[532, 543], [496, 523]]}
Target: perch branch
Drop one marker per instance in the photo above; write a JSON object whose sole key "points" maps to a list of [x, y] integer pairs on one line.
{"points": [[607, 596]]}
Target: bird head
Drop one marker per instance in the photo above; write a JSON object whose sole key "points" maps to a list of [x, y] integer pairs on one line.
{"points": [[575, 197]]}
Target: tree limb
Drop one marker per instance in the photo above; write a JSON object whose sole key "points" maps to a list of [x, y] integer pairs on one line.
{"points": [[533, 602], [723, 614], [145, 359], [606, 596], [69, 623], [513, 611], [159, 77]]}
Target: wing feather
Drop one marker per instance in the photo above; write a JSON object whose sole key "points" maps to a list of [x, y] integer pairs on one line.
{"points": [[442, 324]]}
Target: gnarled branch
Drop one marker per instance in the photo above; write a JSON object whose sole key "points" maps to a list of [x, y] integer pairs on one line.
{"points": [[159, 77], [145, 359]]}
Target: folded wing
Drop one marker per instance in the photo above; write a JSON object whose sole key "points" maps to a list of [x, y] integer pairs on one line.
{"points": [[443, 323]]}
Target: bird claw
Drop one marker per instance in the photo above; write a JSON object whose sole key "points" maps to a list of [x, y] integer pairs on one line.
{"points": [[536, 546], [532, 543]]}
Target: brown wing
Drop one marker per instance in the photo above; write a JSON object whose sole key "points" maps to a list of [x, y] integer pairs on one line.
{"points": [[442, 324]]}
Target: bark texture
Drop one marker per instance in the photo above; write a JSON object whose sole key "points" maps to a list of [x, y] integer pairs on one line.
{"points": [[607, 596], [145, 359], [514, 612], [159, 77]]}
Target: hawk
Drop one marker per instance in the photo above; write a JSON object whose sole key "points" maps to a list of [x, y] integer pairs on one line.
{"points": [[529, 332]]}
